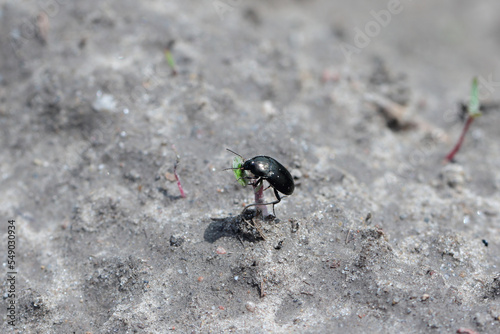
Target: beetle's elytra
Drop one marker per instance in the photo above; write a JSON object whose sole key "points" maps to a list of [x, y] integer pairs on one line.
{"points": [[272, 171]]}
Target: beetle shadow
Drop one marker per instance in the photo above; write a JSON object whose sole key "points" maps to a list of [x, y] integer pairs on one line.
{"points": [[241, 227]]}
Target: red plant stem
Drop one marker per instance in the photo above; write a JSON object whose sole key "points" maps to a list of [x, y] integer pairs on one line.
{"points": [[177, 160], [451, 155], [259, 198], [183, 195]]}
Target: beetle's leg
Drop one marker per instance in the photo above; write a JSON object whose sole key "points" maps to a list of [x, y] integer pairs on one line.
{"points": [[278, 199], [259, 184], [256, 180], [248, 178], [269, 186]]}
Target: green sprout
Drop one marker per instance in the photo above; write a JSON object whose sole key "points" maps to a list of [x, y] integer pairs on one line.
{"points": [[258, 187], [169, 57], [239, 172], [474, 99], [473, 112]]}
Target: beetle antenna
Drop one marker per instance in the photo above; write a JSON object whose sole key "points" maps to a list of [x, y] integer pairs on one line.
{"points": [[232, 168], [235, 153]]}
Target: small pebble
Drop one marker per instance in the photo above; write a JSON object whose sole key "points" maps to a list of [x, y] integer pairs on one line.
{"points": [[453, 175], [465, 331], [170, 177], [268, 109], [220, 250], [250, 306], [481, 319], [104, 102], [296, 174], [176, 241]]}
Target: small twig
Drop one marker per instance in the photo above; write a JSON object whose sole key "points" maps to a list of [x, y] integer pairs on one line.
{"points": [[177, 161], [349, 233], [262, 235], [240, 240], [347, 237], [397, 115], [252, 224], [43, 25]]}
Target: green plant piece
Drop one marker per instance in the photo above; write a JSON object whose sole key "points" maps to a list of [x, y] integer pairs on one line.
{"points": [[474, 100], [239, 172], [169, 57]]}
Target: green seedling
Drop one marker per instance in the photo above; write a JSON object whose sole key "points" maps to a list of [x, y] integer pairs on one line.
{"points": [[473, 113], [169, 57], [242, 178], [263, 168]]}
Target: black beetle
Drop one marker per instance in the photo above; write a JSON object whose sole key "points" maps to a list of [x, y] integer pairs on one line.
{"points": [[266, 168]]}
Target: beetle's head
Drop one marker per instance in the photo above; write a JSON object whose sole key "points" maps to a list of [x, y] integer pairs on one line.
{"points": [[248, 165]]}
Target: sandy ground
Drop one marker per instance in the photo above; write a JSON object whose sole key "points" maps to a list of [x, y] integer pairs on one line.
{"points": [[380, 236]]}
